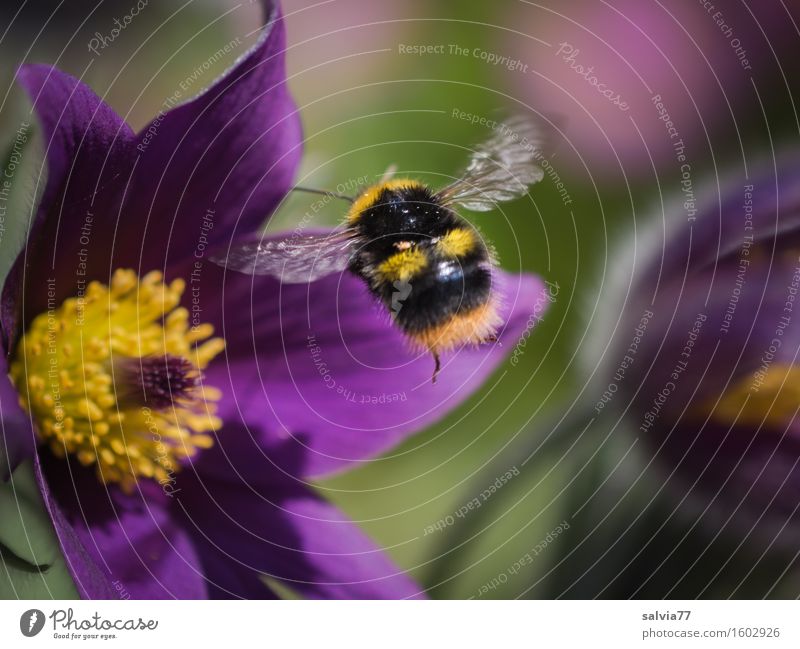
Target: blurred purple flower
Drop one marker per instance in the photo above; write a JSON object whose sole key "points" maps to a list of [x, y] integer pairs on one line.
{"points": [[632, 78], [202, 486], [704, 359]]}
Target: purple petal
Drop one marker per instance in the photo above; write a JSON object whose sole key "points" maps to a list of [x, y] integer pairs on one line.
{"points": [[747, 478], [90, 579], [322, 365], [126, 543], [721, 325], [83, 135], [765, 208], [716, 329], [17, 439], [234, 150], [89, 151], [287, 533]]}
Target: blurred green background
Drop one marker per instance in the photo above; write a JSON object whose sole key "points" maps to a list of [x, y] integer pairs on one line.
{"points": [[365, 104]]}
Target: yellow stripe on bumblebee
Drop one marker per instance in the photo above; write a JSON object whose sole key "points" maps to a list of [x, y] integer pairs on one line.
{"points": [[402, 266], [369, 197], [458, 242]]}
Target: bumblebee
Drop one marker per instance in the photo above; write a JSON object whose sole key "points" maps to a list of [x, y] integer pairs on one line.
{"points": [[428, 266]]}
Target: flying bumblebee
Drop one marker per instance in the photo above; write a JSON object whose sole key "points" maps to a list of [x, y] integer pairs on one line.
{"points": [[427, 265]]}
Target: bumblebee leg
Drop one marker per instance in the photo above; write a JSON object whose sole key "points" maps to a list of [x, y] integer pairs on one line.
{"points": [[437, 367], [492, 338]]}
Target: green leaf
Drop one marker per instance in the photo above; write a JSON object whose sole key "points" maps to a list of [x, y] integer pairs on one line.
{"points": [[19, 177], [280, 589], [32, 565]]}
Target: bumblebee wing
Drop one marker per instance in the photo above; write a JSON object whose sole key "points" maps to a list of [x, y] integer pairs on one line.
{"points": [[500, 169], [293, 259]]}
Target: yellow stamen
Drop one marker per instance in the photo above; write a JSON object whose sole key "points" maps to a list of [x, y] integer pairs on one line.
{"points": [[771, 396], [67, 372]]}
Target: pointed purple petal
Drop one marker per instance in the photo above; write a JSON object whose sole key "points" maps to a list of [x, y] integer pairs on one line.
{"points": [[89, 151], [83, 135], [322, 365], [126, 543], [287, 533], [234, 150]]}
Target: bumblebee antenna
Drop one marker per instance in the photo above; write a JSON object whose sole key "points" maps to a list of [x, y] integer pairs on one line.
{"points": [[323, 192]]}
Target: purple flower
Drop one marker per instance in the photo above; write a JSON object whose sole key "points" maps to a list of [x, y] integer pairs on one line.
{"points": [[704, 356], [174, 412]]}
